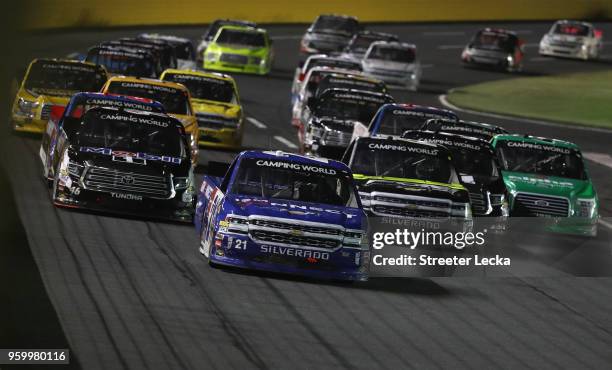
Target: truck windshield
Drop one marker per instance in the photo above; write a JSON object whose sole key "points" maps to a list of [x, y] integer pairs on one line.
{"points": [[392, 54], [494, 41], [174, 100], [241, 37], [206, 88], [546, 160], [395, 122], [111, 129], [390, 160], [337, 24], [571, 29], [348, 109], [47, 76], [270, 178], [124, 63]]}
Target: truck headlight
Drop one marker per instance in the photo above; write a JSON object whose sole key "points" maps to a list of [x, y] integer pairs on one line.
{"points": [[461, 210], [510, 60], [236, 224], [585, 208], [255, 60], [26, 107], [212, 56]]}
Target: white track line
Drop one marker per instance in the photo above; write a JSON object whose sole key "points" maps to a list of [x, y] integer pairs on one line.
{"points": [[603, 159], [256, 123], [605, 223], [285, 141], [444, 101]]}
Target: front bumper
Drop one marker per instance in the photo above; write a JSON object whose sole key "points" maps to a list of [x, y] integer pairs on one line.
{"points": [[166, 209], [343, 264], [559, 51]]}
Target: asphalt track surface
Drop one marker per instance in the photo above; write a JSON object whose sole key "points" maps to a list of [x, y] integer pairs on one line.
{"points": [[133, 293]]}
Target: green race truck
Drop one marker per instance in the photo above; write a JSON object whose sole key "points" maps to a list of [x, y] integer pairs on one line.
{"points": [[548, 178]]}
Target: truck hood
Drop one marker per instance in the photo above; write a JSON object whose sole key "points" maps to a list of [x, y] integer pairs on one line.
{"points": [[350, 218], [215, 107], [45, 96], [393, 185], [152, 165], [547, 185]]}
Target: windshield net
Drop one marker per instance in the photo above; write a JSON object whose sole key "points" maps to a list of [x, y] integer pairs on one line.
{"points": [[111, 129], [391, 54], [174, 100], [64, 76], [206, 88], [239, 37], [572, 29], [346, 82], [421, 163], [275, 179], [540, 159], [331, 23], [352, 109]]}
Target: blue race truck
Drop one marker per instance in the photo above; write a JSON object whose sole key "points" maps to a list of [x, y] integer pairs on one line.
{"points": [[284, 213]]}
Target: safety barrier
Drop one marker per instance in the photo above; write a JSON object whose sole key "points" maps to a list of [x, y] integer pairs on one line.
{"points": [[111, 13]]}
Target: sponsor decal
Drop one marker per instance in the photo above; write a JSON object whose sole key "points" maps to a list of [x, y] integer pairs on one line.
{"points": [[135, 119], [359, 97], [118, 103], [121, 54], [294, 252], [186, 77], [70, 67], [474, 130], [402, 148], [138, 85], [296, 166], [404, 112], [452, 143], [548, 148], [126, 196], [132, 155]]}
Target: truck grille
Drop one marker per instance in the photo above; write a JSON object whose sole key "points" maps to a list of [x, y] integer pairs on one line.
{"points": [[45, 112], [407, 212], [303, 241], [108, 180], [234, 58], [540, 205], [303, 228], [277, 231], [479, 203], [396, 205]]}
